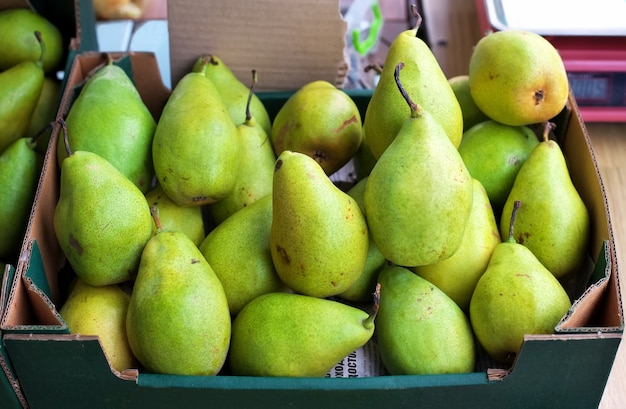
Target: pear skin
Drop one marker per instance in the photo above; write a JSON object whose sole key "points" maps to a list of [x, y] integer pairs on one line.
{"points": [[318, 236], [472, 115], [418, 196], [321, 121], [233, 92], [102, 220], [17, 43], [101, 311], [178, 320], [256, 166], [553, 221], [187, 219], [494, 153], [196, 147], [294, 335], [110, 118], [362, 289], [238, 250], [420, 330], [20, 166], [517, 77], [516, 295], [424, 81], [20, 87], [457, 276]]}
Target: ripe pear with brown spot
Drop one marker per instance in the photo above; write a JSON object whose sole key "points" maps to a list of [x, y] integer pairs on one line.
{"points": [[517, 77], [319, 236], [320, 121]]}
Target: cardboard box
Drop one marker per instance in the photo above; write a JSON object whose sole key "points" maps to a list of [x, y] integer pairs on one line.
{"points": [[56, 369]]}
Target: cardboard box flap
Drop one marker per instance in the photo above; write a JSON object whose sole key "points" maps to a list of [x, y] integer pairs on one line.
{"points": [[288, 43]]}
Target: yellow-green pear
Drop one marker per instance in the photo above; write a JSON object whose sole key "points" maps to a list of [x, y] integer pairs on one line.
{"points": [[320, 121], [178, 321], [420, 330], [187, 219], [418, 196], [294, 335], [362, 289], [20, 87], [45, 113], [363, 160], [17, 43], [196, 147], [20, 166], [234, 93], [472, 115], [256, 166], [101, 311], [493, 153], [515, 296], [238, 250], [318, 236], [110, 118], [424, 80], [457, 275], [553, 222], [517, 77], [102, 220]]}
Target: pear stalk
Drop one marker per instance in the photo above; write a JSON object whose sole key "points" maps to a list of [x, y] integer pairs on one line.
{"points": [[250, 94], [66, 142], [516, 205], [368, 323], [416, 110], [42, 45]]}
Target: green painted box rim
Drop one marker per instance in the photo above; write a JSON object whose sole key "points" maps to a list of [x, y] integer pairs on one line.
{"points": [[57, 369]]}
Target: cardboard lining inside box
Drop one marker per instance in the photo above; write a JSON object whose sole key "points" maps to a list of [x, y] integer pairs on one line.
{"points": [[34, 329]]}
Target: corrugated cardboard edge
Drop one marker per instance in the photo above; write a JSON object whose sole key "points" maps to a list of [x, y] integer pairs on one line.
{"points": [[288, 43], [606, 290]]}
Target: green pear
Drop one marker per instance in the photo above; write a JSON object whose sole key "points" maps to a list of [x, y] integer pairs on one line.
{"points": [[294, 335], [18, 45], [20, 87], [515, 296], [110, 118], [457, 275], [256, 166], [101, 311], [238, 250], [102, 220], [321, 121], [418, 196], [45, 113], [554, 222], [178, 320], [234, 93], [424, 81], [318, 236], [517, 77], [420, 330], [363, 159], [196, 147], [493, 153], [362, 289], [188, 220], [20, 166], [472, 115]]}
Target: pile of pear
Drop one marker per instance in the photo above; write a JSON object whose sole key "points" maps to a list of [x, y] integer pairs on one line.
{"points": [[212, 239], [30, 51]]}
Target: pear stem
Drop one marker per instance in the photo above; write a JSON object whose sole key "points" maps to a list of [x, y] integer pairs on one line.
{"points": [[376, 67], [516, 205], [42, 46], [416, 110], [369, 321], [547, 128], [154, 212], [417, 16], [36, 136], [66, 141], [254, 80]]}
